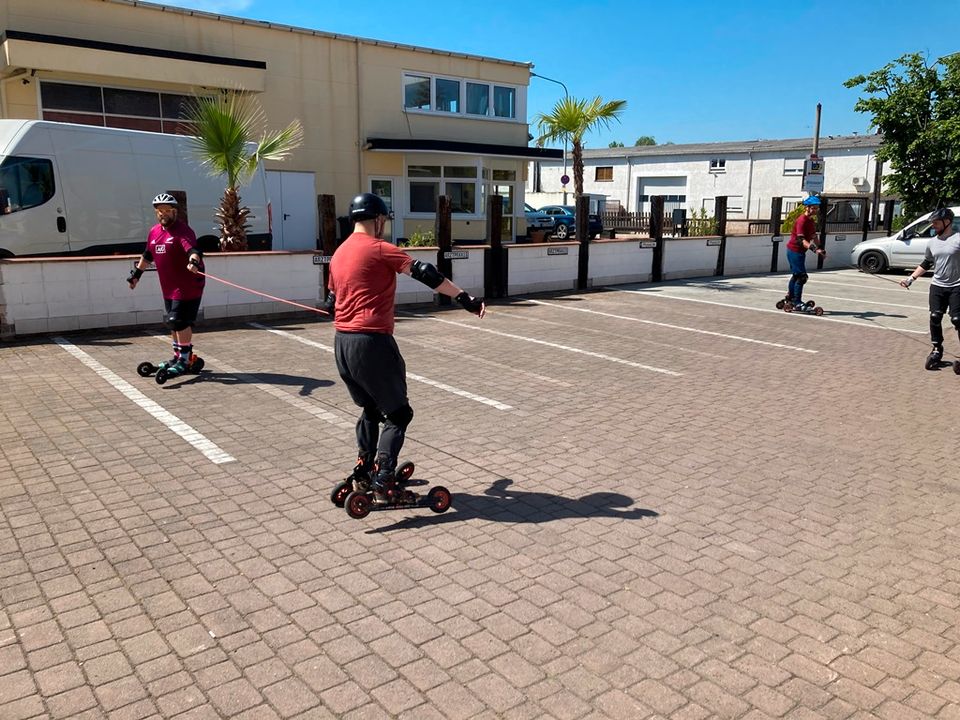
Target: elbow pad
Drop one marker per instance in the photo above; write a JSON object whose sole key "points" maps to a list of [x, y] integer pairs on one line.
{"points": [[926, 263], [147, 256], [427, 274]]}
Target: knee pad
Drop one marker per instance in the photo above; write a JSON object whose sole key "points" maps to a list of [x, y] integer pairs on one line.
{"points": [[802, 278], [173, 322], [401, 417], [936, 316], [955, 319]]}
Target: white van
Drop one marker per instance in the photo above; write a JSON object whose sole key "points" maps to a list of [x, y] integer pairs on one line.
{"points": [[903, 250], [77, 189]]}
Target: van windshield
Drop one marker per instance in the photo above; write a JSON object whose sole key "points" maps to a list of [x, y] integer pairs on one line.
{"points": [[25, 182]]}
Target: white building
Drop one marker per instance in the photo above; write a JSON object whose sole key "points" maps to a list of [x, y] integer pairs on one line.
{"points": [[749, 173]]}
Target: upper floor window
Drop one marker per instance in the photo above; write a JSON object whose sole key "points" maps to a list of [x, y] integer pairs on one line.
{"points": [[604, 174], [793, 166], [115, 107], [718, 165], [458, 96]]}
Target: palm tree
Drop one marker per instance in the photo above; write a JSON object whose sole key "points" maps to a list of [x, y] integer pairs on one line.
{"points": [[572, 118], [226, 125]]}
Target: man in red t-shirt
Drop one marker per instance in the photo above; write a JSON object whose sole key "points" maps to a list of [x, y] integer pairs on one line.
{"points": [[803, 237], [363, 283], [172, 247]]}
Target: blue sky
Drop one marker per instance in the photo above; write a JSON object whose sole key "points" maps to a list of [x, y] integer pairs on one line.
{"points": [[690, 70]]}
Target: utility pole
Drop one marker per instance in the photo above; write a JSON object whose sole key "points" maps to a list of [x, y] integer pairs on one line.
{"points": [[566, 96], [816, 132]]}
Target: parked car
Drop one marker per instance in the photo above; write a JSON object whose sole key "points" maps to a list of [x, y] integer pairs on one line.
{"points": [[903, 250], [565, 219], [537, 220]]}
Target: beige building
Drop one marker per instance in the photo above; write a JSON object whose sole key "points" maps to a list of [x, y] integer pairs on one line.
{"points": [[405, 122]]}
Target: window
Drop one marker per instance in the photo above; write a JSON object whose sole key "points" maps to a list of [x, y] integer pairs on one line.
{"points": [[425, 93], [734, 204], [718, 165], [25, 182], [478, 99], [448, 95], [793, 167], [504, 102], [604, 174], [416, 92], [428, 182], [115, 107]]}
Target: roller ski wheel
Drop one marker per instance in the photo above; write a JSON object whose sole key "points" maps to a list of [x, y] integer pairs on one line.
{"points": [[818, 311], [404, 471], [358, 505], [338, 496], [439, 499], [787, 307], [809, 304], [783, 302], [956, 367]]}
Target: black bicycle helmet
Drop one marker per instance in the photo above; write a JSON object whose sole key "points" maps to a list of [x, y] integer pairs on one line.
{"points": [[367, 206], [942, 214]]}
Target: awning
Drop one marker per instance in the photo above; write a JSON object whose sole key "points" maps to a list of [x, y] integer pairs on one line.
{"points": [[58, 53], [462, 148]]}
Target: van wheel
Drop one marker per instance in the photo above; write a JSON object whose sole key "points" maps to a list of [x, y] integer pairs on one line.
{"points": [[873, 261]]}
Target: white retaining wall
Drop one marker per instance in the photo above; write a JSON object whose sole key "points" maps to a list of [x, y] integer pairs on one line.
{"points": [[617, 262], [532, 268]]}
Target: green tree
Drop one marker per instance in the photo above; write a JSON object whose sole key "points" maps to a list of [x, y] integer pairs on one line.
{"points": [[615, 144], [227, 125], [916, 107], [645, 140], [572, 118]]}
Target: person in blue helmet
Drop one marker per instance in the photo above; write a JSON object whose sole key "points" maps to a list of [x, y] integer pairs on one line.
{"points": [[803, 237]]}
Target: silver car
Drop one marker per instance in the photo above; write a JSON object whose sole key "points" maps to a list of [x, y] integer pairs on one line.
{"points": [[903, 250]]}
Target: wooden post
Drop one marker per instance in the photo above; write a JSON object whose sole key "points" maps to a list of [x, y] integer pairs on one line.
{"points": [[776, 212], [822, 230], [865, 227], [656, 234], [495, 262], [583, 236], [721, 212], [327, 242], [888, 206], [443, 231]]}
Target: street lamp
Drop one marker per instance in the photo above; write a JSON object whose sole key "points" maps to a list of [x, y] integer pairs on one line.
{"points": [[566, 95]]}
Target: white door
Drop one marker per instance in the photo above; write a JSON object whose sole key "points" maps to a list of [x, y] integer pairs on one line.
{"points": [[294, 200], [389, 188]]}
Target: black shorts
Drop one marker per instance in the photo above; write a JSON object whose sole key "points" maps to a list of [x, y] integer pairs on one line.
{"points": [[185, 311]]}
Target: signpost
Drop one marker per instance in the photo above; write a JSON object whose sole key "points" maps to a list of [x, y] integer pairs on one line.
{"points": [[813, 175]]}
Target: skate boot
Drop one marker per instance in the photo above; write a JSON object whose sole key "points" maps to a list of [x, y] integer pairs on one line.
{"points": [[357, 481], [195, 364], [934, 358], [180, 367], [384, 485]]}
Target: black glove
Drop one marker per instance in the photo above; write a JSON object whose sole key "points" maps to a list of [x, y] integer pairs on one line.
{"points": [[329, 305], [135, 274], [470, 303]]}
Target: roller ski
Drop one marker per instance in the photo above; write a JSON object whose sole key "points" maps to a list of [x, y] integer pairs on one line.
{"points": [[788, 299], [171, 368], [933, 360], [391, 492], [809, 307]]}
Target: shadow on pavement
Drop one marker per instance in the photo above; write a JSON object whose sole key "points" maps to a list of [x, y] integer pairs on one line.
{"points": [[518, 506], [307, 384], [865, 315]]}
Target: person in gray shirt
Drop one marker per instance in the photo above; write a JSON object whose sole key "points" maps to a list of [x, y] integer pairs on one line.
{"points": [[943, 255]]}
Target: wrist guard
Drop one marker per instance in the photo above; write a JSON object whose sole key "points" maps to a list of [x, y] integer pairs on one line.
{"points": [[194, 260], [135, 274], [470, 303]]}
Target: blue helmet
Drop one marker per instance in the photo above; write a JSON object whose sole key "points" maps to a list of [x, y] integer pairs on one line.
{"points": [[812, 200]]}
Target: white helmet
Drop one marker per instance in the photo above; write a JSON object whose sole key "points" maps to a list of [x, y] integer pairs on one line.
{"points": [[165, 199]]}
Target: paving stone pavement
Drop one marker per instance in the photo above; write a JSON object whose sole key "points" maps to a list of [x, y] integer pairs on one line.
{"points": [[766, 530]]}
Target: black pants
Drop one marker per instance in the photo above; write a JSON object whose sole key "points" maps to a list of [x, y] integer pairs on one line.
{"points": [[375, 374], [943, 299]]}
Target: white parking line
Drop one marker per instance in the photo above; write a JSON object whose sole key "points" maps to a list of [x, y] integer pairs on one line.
{"points": [[660, 295], [567, 348], [209, 449], [418, 378], [679, 327], [846, 299]]}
